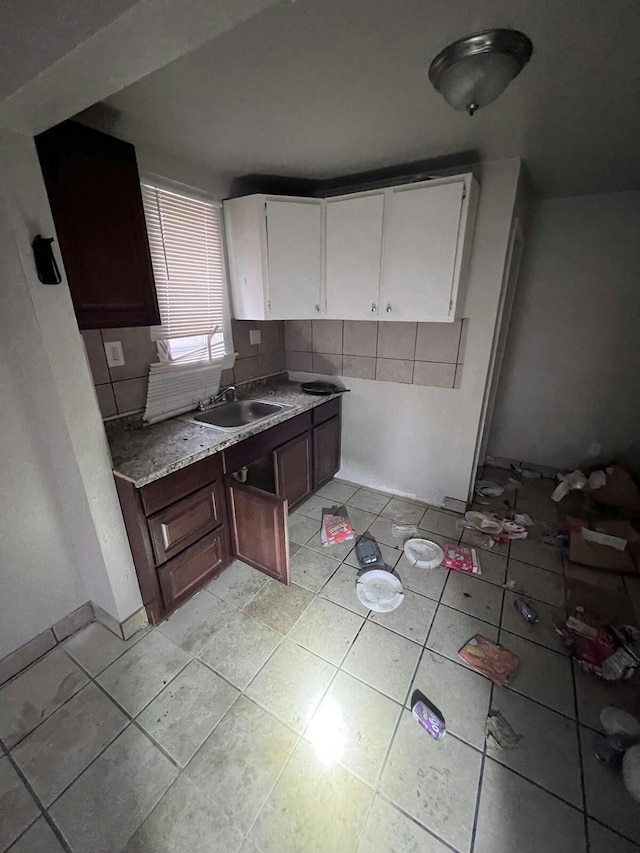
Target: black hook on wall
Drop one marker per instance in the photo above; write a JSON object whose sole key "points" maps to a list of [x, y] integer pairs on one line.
{"points": [[46, 265]]}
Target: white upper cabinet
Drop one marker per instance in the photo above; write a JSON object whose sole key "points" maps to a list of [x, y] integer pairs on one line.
{"points": [[422, 252], [294, 256], [353, 255], [399, 253], [274, 246]]}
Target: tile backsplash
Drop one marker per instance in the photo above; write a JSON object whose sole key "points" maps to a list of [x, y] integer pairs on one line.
{"points": [[411, 353], [122, 390]]}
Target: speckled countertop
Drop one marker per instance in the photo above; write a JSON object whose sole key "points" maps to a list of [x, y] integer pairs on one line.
{"points": [[142, 454]]}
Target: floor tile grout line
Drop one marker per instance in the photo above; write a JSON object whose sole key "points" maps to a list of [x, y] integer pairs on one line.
{"points": [[483, 761], [583, 789], [44, 812], [143, 633], [416, 821], [533, 782]]}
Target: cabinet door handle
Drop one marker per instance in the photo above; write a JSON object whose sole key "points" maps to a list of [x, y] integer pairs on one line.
{"points": [[317, 309], [373, 307], [389, 308]]}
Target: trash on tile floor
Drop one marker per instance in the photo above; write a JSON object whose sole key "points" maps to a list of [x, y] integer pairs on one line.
{"points": [[462, 558], [428, 715], [501, 731], [336, 526], [495, 662], [368, 553], [631, 771], [608, 651], [400, 531], [485, 524], [596, 480], [488, 489], [610, 749], [615, 721], [554, 540], [483, 521], [574, 480], [526, 610], [621, 731], [513, 585], [613, 546], [379, 590], [423, 553], [524, 519]]}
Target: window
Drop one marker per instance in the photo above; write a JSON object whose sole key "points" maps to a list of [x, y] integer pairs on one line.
{"points": [[185, 238]]}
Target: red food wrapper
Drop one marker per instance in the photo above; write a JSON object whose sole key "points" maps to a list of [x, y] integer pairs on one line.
{"points": [[461, 558], [336, 527], [495, 663]]}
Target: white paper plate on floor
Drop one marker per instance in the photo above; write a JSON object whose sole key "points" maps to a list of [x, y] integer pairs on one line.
{"points": [[379, 590], [423, 553]]}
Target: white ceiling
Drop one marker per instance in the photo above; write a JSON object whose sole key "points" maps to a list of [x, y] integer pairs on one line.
{"points": [[36, 34], [319, 88]]}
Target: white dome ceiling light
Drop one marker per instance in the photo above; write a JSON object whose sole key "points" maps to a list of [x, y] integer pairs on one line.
{"points": [[473, 71]]}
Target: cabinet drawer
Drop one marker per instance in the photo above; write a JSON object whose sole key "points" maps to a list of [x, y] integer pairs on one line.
{"points": [[184, 522], [326, 410], [171, 488], [182, 576], [247, 451]]}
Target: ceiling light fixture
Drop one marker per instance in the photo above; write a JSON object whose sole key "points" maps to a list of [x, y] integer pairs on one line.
{"points": [[473, 71]]}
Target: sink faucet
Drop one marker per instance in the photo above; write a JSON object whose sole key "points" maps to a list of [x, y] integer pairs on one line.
{"points": [[223, 396], [230, 393]]}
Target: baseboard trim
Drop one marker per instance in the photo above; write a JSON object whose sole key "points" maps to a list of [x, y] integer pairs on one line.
{"points": [[21, 658]]}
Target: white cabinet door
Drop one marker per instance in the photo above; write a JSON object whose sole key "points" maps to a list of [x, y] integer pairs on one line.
{"points": [[419, 269], [294, 249], [354, 248]]}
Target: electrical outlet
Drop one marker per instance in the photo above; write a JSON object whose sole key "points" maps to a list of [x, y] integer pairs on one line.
{"points": [[115, 356], [255, 336]]}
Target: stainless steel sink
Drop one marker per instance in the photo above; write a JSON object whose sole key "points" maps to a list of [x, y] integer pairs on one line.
{"points": [[238, 413]]}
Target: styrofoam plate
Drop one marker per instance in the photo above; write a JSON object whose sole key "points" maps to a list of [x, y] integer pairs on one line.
{"points": [[379, 590], [423, 553]]}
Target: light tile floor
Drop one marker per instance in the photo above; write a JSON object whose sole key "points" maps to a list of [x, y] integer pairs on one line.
{"points": [[262, 718]]}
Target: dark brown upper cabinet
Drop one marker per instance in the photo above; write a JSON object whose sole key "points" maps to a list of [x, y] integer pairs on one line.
{"points": [[93, 186]]}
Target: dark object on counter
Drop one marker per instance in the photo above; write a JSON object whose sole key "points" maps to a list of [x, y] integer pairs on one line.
{"points": [[322, 389], [46, 265], [528, 613]]}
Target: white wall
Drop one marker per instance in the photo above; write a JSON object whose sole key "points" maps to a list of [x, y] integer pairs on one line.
{"points": [[421, 441], [65, 436], [571, 373], [40, 577]]}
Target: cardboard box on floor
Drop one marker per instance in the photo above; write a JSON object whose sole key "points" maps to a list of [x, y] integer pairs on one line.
{"points": [[605, 557]]}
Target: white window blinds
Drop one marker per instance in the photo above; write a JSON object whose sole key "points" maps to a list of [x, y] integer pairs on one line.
{"points": [[185, 238]]}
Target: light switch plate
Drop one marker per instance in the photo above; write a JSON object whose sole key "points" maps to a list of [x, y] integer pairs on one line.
{"points": [[255, 336], [115, 356]]}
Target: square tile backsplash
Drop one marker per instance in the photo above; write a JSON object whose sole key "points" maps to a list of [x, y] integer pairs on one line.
{"points": [[411, 353], [122, 390]]}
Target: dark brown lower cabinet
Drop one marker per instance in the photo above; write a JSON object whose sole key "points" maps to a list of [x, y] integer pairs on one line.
{"points": [[175, 528], [293, 464], [326, 451], [185, 528], [259, 531], [186, 573]]}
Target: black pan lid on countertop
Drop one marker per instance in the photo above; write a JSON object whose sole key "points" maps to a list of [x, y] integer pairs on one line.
{"points": [[322, 389]]}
